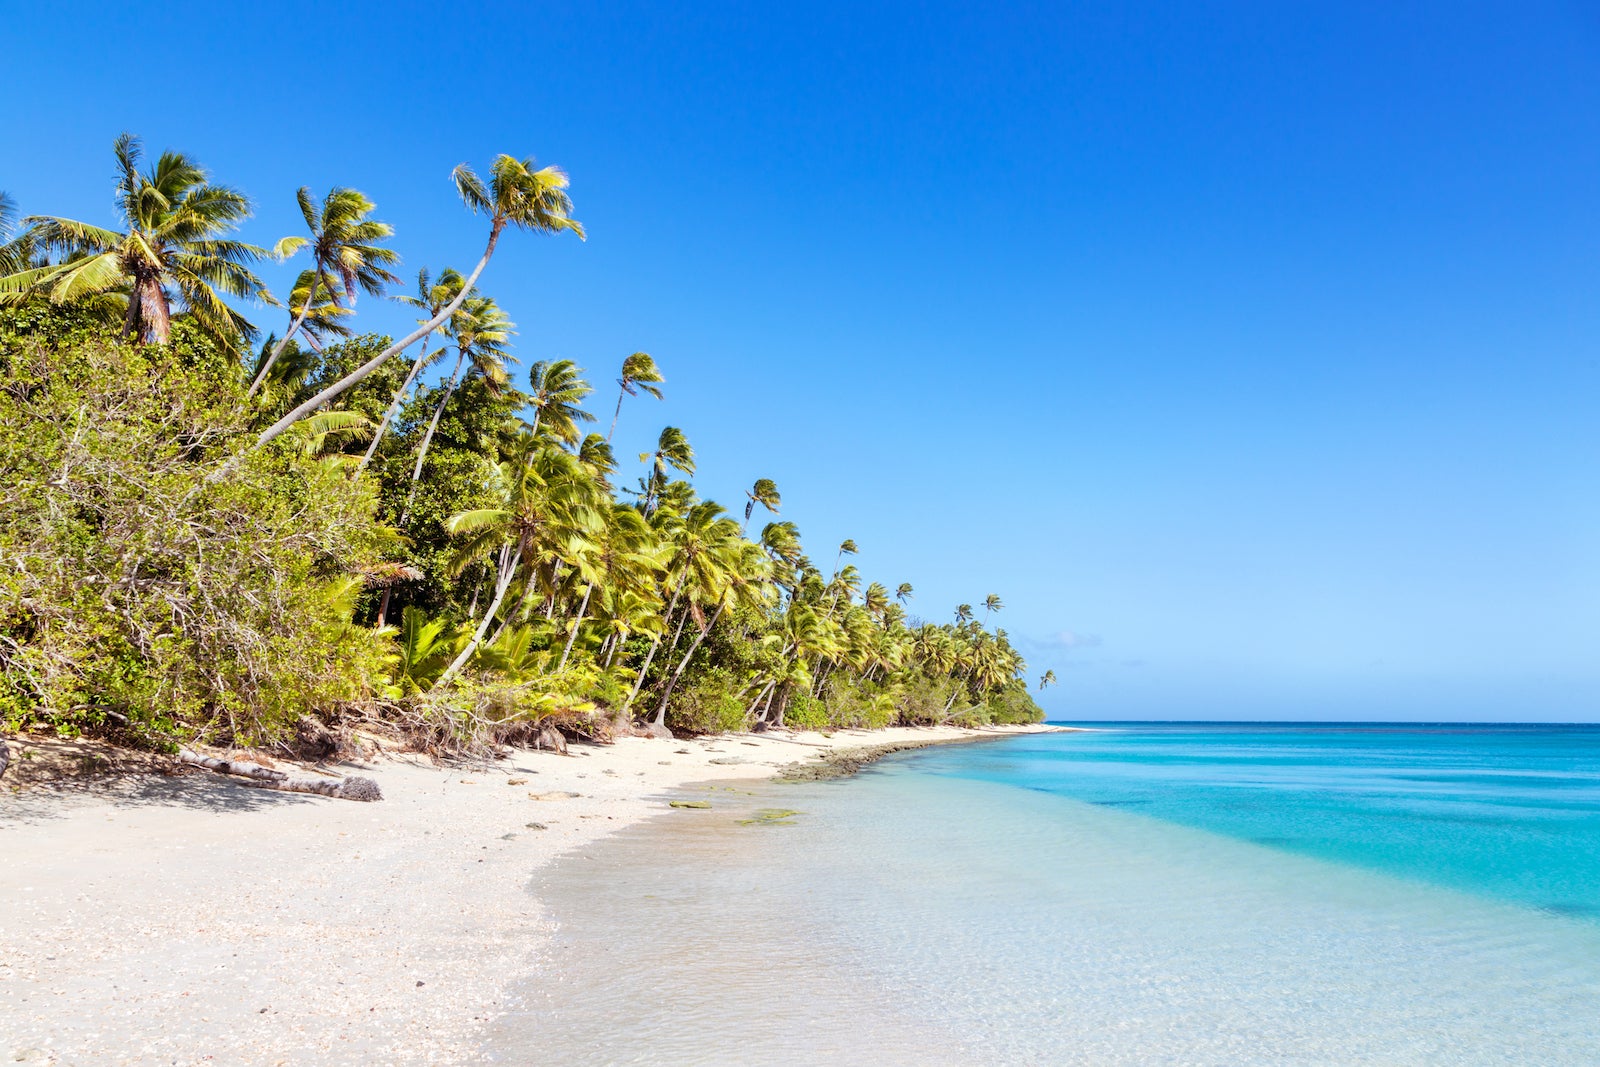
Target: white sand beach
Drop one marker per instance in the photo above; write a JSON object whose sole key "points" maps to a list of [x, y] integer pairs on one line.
{"points": [[198, 919]]}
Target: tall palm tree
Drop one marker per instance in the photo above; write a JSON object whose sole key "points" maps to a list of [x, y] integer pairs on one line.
{"points": [[765, 493], [672, 450], [1047, 680], [903, 592], [963, 613], [344, 246], [544, 502], [557, 389], [639, 371], [991, 604], [624, 557], [172, 251], [517, 196]]}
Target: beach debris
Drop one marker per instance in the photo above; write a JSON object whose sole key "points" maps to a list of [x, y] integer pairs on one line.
{"points": [[536, 826], [691, 803], [556, 794], [550, 738], [354, 787], [516, 781], [726, 760]]}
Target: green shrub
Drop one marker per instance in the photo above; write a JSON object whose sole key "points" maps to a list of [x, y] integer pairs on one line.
{"points": [[707, 705], [806, 712]]}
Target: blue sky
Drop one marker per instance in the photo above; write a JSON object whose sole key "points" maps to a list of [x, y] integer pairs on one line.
{"points": [[1250, 352]]}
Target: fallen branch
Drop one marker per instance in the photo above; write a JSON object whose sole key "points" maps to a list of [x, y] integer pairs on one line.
{"points": [[352, 788]]}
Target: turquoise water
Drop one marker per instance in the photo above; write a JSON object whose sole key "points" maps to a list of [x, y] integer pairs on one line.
{"points": [[1507, 811], [1185, 894]]}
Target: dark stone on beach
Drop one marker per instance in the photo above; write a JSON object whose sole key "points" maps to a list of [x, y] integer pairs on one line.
{"points": [[536, 826]]}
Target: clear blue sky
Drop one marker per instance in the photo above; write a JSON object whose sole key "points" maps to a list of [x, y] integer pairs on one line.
{"points": [[1250, 352]]}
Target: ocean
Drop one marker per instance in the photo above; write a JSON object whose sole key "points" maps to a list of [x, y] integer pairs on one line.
{"points": [[1140, 893]]}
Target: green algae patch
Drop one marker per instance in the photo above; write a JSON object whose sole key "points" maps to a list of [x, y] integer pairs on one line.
{"points": [[691, 803], [770, 817]]}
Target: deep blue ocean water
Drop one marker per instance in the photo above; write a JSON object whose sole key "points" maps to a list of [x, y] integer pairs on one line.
{"points": [[1136, 894]]}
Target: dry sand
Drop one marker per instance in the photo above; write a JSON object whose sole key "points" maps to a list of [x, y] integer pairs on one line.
{"points": [[201, 920]]}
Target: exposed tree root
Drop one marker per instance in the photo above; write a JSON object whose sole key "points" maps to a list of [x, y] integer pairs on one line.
{"points": [[354, 787]]}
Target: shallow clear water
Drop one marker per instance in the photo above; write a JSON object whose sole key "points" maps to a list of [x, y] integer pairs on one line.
{"points": [[1142, 894]]}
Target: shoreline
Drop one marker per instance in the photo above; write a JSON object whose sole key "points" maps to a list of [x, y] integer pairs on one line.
{"points": [[197, 918]]}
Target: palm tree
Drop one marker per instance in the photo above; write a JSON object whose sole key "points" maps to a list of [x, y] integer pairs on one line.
{"points": [[557, 390], [480, 331], [172, 251], [765, 493], [903, 592], [544, 503], [517, 195], [344, 246], [672, 450], [639, 371], [1047, 680], [991, 604], [625, 563], [432, 296], [16, 250]]}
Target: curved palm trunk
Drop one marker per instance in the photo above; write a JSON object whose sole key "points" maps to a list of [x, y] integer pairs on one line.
{"points": [[277, 349], [503, 583], [654, 646], [583, 609], [427, 438], [361, 372], [672, 683], [394, 408]]}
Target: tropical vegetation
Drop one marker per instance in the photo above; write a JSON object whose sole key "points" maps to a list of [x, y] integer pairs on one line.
{"points": [[209, 534]]}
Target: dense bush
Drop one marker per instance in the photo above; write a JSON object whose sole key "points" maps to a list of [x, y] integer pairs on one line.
{"points": [[708, 706], [149, 584]]}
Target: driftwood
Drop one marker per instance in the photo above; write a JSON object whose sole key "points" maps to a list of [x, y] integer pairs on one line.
{"points": [[351, 788]]}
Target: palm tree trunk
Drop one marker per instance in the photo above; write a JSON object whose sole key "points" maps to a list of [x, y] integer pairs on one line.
{"points": [[661, 712], [501, 586], [616, 415], [149, 313], [361, 372], [654, 645], [277, 349], [576, 623], [427, 438], [394, 408]]}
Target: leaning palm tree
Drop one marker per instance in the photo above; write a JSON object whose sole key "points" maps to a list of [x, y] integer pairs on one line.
{"points": [[765, 493], [1046, 680], [517, 195], [172, 252], [432, 296], [991, 604], [344, 246], [544, 502], [672, 450], [903, 592], [556, 392], [639, 371], [480, 330]]}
